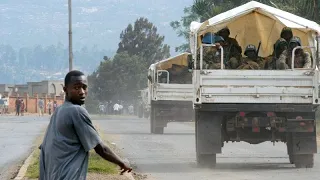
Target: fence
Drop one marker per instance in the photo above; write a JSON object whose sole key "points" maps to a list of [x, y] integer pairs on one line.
{"points": [[31, 102]]}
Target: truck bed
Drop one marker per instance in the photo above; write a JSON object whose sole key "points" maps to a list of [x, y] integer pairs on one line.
{"points": [[173, 92], [256, 86]]}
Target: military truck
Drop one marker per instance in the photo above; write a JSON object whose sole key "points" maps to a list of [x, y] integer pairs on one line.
{"points": [[256, 106], [170, 90], [144, 106]]}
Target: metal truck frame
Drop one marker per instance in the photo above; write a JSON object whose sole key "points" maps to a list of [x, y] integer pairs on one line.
{"points": [[168, 102], [255, 105]]}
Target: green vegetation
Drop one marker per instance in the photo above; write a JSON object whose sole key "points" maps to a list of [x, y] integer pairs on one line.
{"points": [[120, 78], [202, 10], [96, 163]]}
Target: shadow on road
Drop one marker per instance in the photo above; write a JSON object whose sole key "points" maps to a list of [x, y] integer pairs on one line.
{"points": [[147, 134], [220, 167]]}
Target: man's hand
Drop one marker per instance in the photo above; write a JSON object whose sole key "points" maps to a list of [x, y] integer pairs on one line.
{"points": [[124, 168]]}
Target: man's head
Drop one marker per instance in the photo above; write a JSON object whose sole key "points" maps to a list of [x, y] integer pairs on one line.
{"points": [[280, 46], [225, 33], [294, 42], [75, 87], [286, 33], [251, 51]]}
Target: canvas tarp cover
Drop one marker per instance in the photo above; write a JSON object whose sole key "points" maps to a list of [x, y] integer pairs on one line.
{"points": [[254, 22], [181, 60]]}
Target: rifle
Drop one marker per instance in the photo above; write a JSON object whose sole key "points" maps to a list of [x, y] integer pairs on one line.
{"points": [[257, 54]]}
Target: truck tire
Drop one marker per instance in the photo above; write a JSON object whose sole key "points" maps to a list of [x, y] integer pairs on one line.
{"points": [[208, 138], [206, 160], [154, 129], [140, 112], [290, 148], [303, 160], [146, 114]]}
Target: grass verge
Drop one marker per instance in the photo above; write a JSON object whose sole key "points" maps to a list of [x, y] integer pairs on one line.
{"points": [[96, 163]]}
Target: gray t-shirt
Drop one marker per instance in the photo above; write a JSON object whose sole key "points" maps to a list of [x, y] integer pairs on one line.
{"points": [[65, 148]]}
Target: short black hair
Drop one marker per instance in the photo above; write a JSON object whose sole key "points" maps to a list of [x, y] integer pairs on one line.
{"points": [[67, 79]]}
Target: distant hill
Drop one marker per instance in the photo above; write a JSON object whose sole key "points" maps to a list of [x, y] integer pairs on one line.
{"points": [[97, 24], [45, 22]]}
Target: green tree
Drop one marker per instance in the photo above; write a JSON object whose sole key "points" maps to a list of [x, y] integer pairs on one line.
{"points": [[119, 78], [143, 40]]}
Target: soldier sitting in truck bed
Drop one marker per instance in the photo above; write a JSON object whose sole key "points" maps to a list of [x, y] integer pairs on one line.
{"points": [[252, 61], [280, 46], [232, 49], [302, 59], [211, 55]]}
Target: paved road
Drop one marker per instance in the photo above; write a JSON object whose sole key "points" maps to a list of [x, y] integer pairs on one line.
{"points": [[172, 156], [17, 135]]}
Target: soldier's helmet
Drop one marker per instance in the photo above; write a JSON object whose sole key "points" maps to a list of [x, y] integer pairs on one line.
{"points": [[286, 30], [280, 42], [210, 38], [295, 39], [225, 29], [250, 47]]}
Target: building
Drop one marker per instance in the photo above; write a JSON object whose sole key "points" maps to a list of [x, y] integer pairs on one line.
{"points": [[48, 87]]}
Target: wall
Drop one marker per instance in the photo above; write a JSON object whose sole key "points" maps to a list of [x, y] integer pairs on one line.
{"points": [[31, 102]]}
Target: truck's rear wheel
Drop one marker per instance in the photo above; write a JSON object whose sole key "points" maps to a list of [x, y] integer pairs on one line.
{"points": [[146, 114], [159, 130], [303, 160], [140, 112], [154, 129], [206, 160], [290, 148], [208, 137]]}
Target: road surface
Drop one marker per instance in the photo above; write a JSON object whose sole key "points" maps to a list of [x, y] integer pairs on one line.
{"points": [[171, 156], [17, 135]]}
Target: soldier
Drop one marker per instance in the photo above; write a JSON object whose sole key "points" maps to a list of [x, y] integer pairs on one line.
{"points": [[280, 46], [211, 55], [301, 59], [252, 61], [232, 49], [286, 34]]}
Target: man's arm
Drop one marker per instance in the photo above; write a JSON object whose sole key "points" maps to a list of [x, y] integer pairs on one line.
{"points": [[106, 153], [307, 61], [90, 139]]}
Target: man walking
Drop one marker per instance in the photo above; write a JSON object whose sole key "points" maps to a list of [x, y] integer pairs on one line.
{"points": [[41, 107], [71, 135], [18, 104]]}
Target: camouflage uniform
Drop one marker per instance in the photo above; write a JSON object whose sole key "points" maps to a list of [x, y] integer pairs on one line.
{"points": [[251, 62], [248, 63], [280, 46], [301, 60], [232, 49], [211, 55]]}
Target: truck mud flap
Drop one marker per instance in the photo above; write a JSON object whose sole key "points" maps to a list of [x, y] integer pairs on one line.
{"points": [[300, 125], [304, 143], [208, 133]]}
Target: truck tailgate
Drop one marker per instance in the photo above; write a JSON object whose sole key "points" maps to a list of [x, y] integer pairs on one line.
{"points": [[256, 86], [173, 92]]}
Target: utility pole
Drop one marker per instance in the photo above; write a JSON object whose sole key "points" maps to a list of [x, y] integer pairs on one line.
{"points": [[70, 36]]}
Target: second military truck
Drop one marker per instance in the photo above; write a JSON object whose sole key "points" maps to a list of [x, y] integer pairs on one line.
{"points": [[170, 92]]}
